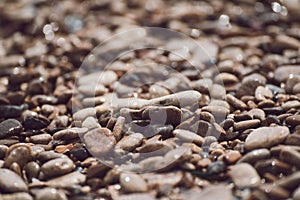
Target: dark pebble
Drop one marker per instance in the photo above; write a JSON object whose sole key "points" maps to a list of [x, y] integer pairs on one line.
{"points": [[10, 127]]}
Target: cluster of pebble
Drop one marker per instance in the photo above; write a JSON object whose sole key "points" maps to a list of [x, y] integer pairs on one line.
{"points": [[220, 125]]}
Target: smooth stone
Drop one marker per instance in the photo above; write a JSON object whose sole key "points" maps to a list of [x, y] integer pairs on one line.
{"points": [[213, 192], [70, 133], [266, 137], [290, 104], [257, 113], [293, 120], [291, 82], [202, 85], [11, 182], [3, 150], [57, 167], [131, 183], [99, 141], [249, 85], [274, 191], [255, 155], [290, 182], [142, 196], [102, 77], [130, 142], [232, 156], [188, 136], [290, 156], [84, 113], [118, 129], [226, 78], [90, 123], [44, 138], [92, 90], [32, 170], [45, 156], [296, 194], [19, 153], [35, 122], [16, 196], [263, 93], [244, 176], [10, 127], [217, 91], [282, 73], [247, 124], [67, 180], [235, 102], [50, 194]]}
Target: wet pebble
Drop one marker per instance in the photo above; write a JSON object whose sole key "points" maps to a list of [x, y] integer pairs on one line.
{"points": [[44, 138], [282, 73], [70, 133], [244, 176], [16, 196], [10, 127], [99, 141], [293, 120], [130, 142], [11, 182], [18, 153], [67, 180], [50, 194], [255, 155], [269, 136], [188, 136], [247, 124], [35, 122], [131, 182], [57, 167]]}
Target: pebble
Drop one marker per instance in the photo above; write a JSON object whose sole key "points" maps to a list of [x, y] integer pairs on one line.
{"points": [[3, 149], [256, 113], [249, 85], [32, 170], [99, 141], [290, 182], [131, 182], [44, 138], [217, 91], [232, 156], [16, 196], [45, 156], [84, 113], [236, 103], [268, 137], [282, 73], [273, 166], [202, 85], [35, 122], [11, 182], [296, 194], [290, 104], [10, 111], [291, 82], [70, 133], [10, 127], [255, 155], [68, 180], [188, 136], [247, 124], [226, 78], [275, 192], [102, 77], [118, 129], [263, 93], [244, 176], [290, 156], [130, 142], [57, 167], [293, 120], [90, 123], [144, 196], [213, 192], [50, 194], [18, 153]]}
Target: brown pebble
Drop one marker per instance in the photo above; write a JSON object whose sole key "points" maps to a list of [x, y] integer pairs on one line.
{"points": [[57, 167], [231, 157], [244, 176], [236, 103], [247, 124], [50, 194], [293, 120], [19, 153], [11, 182], [132, 183]]}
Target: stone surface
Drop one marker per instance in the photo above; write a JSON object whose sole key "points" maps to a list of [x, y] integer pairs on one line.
{"points": [[266, 137], [131, 182], [244, 176], [9, 128], [11, 182]]}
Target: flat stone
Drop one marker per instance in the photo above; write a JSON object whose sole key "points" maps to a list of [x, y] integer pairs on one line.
{"points": [[67, 180], [290, 104], [84, 113], [57, 167], [143, 196], [130, 142], [69, 134], [212, 192], [99, 141], [244, 176], [255, 155], [16, 196], [10, 127], [11, 182], [19, 153], [188, 136], [290, 156], [282, 73], [293, 120], [131, 182], [266, 137], [50, 194], [226, 78], [90, 123]]}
